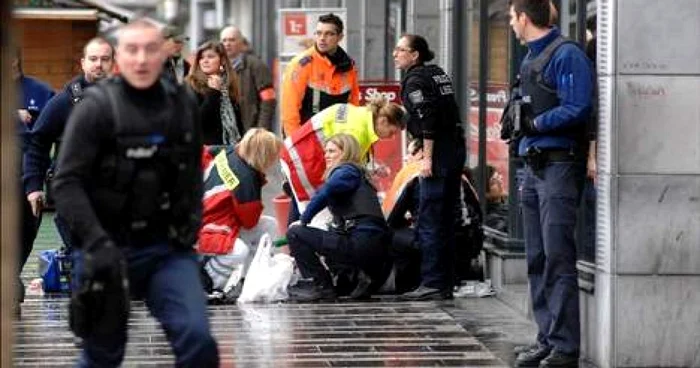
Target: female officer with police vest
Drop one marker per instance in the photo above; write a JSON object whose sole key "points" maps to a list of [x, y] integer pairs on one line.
{"points": [[428, 95]]}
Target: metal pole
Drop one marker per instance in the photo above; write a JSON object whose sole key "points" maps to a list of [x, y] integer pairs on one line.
{"points": [[483, 85], [515, 163], [581, 22], [10, 220], [195, 27], [460, 71]]}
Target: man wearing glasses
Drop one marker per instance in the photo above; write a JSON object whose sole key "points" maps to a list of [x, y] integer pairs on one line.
{"points": [[319, 77]]}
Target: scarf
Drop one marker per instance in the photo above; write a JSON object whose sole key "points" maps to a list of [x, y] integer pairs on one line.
{"points": [[231, 135]]}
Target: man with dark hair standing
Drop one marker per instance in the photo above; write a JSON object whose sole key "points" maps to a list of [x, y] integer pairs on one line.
{"points": [[557, 84], [96, 63], [130, 186], [256, 91], [319, 77]]}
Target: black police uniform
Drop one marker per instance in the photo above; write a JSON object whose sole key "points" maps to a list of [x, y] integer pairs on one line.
{"points": [[428, 95], [46, 133], [130, 175]]}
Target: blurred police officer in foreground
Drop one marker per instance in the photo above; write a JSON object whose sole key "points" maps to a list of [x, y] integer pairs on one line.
{"points": [[130, 188], [428, 95], [556, 85]]}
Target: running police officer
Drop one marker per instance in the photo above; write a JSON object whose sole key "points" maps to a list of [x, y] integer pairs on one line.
{"points": [[428, 95], [130, 188], [96, 63], [556, 85]]}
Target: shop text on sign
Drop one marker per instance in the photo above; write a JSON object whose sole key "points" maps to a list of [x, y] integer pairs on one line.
{"points": [[387, 153]]}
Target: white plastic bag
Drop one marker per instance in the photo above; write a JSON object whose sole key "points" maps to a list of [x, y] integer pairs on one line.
{"points": [[268, 276]]}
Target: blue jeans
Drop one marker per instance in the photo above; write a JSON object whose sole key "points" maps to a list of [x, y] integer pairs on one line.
{"points": [[169, 282], [549, 200]]}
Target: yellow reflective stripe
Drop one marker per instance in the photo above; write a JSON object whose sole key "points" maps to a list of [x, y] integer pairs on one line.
{"points": [[316, 102], [345, 88], [225, 173]]}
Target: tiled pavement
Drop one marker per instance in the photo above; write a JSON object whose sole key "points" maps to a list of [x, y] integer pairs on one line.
{"points": [[381, 333]]}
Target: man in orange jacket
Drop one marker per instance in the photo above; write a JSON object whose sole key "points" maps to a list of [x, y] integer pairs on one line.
{"points": [[319, 77]]}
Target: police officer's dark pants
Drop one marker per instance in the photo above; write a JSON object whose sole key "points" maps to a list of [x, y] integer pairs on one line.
{"points": [[169, 282], [436, 229], [30, 227], [366, 250], [405, 253], [549, 200]]}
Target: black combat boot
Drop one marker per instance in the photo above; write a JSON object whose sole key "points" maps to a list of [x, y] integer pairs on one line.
{"points": [[532, 358], [557, 359], [426, 293], [318, 292], [362, 290]]}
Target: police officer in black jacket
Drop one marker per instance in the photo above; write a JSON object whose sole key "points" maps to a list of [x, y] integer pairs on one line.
{"points": [[130, 188], [96, 63], [428, 95]]}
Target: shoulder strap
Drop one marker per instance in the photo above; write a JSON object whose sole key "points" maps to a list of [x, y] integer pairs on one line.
{"points": [[113, 102], [540, 62]]}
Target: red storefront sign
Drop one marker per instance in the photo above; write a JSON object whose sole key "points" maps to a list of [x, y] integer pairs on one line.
{"points": [[496, 149], [294, 24], [387, 153]]}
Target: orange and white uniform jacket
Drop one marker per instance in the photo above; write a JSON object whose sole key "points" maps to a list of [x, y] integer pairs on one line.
{"points": [[312, 82]]}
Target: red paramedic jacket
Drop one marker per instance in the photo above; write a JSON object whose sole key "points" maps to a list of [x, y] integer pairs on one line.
{"points": [[232, 199]]}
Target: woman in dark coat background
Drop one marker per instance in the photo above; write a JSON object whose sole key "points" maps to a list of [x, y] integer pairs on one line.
{"points": [[215, 83]]}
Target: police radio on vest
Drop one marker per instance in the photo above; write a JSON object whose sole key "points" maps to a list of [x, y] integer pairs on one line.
{"points": [[371, 93]]}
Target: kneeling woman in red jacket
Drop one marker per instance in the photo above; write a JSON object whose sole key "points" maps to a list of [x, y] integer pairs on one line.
{"points": [[232, 223], [358, 236]]}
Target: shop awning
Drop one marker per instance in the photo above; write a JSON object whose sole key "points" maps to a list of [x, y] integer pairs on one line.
{"points": [[55, 14]]}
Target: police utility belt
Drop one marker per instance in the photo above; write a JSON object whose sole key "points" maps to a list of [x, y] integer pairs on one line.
{"points": [[537, 158], [342, 226]]}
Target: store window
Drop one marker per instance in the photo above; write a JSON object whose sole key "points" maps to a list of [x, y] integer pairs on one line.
{"points": [[495, 171], [500, 170]]}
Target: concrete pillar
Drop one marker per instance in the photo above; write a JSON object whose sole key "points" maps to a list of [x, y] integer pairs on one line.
{"points": [[423, 18], [366, 37], [241, 15], [645, 310], [445, 50]]}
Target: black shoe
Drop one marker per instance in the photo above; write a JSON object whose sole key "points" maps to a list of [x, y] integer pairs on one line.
{"points": [[232, 295], [532, 358], [426, 293], [557, 359], [316, 293], [362, 290], [524, 348], [302, 286]]}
